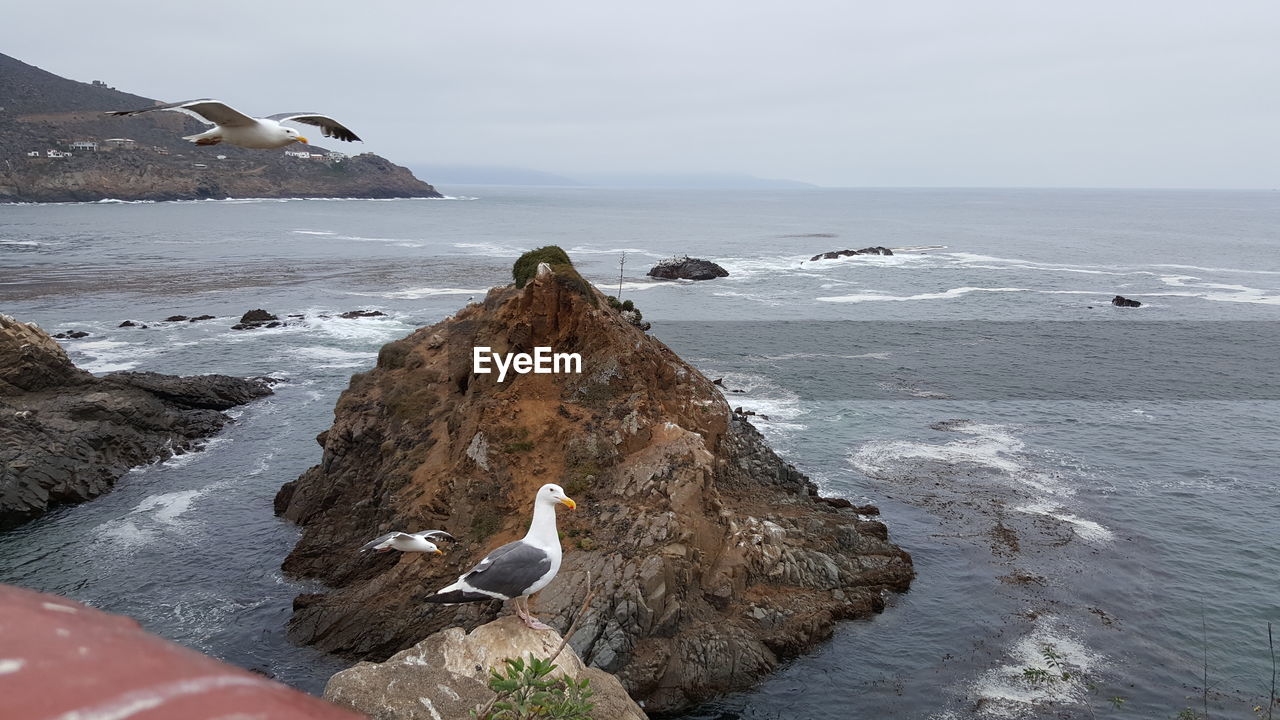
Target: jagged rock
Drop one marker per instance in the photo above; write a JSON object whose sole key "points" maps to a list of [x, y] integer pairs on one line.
{"points": [[257, 316], [72, 334], [1122, 301], [128, 323], [832, 255], [685, 519], [177, 318], [446, 675], [350, 314], [687, 268], [256, 319], [66, 436], [198, 318]]}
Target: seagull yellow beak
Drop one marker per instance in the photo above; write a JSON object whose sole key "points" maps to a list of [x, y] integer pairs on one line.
{"points": [[439, 551], [570, 503], [303, 140]]}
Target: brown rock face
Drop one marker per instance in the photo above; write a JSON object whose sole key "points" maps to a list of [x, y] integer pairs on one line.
{"points": [[714, 559]]}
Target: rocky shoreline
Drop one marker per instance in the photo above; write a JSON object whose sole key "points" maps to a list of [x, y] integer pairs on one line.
{"points": [[66, 435], [713, 559], [137, 177]]}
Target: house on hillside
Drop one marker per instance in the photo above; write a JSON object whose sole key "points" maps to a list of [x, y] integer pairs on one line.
{"points": [[57, 154], [85, 145], [121, 143], [337, 156], [34, 153], [303, 154]]}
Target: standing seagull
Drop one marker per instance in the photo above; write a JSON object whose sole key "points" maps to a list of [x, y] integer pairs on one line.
{"points": [[407, 542], [236, 128], [518, 569]]}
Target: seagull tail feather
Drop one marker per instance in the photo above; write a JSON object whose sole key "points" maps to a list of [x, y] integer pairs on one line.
{"points": [[457, 596]]}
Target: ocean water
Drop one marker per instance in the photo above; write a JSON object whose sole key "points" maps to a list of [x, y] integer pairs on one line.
{"points": [[1067, 475]]}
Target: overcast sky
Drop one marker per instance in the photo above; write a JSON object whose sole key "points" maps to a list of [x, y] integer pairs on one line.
{"points": [[938, 93]]}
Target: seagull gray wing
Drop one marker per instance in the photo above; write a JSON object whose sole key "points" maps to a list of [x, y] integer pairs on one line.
{"points": [[210, 111], [425, 534], [328, 126], [375, 543], [510, 570]]}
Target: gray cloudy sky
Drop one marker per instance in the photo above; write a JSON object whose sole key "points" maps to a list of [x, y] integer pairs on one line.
{"points": [[930, 93]]}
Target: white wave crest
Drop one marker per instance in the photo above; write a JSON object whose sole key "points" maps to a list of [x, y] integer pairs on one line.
{"points": [[1004, 692]]}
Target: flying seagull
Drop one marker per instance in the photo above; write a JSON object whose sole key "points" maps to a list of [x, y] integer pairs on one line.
{"points": [[407, 542], [518, 569], [236, 128]]}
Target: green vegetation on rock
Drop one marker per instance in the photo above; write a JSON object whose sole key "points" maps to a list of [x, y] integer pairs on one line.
{"points": [[526, 268]]}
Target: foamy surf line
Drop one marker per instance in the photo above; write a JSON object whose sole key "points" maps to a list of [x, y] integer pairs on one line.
{"points": [[946, 294], [1003, 692], [419, 293]]}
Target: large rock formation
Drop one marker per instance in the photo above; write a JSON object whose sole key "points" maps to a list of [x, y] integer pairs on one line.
{"points": [[714, 559], [447, 675], [687, 268], [67, 436]]}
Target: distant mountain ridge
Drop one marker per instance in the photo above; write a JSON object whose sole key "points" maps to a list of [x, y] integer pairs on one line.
{"points": [[508, 175], [42, 112]]}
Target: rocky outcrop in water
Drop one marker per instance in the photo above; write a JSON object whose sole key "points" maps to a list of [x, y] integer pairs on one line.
{"points": [[66, 436], [1122, 301], [713, 558], [256, 319], [447, 674], [834, 254], [687, 268]]}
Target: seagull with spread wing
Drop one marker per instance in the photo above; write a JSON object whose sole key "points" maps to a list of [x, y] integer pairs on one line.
{"points": [[235, 128], [407, 542]]}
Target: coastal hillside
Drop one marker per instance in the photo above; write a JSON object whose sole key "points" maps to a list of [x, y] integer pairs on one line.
{"points": [[56, 145], [714, 560]]}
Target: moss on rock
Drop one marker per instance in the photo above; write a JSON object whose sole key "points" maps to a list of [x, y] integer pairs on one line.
{"points": [[526, 267]]}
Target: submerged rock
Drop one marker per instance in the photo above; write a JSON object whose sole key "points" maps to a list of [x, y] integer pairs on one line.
{"points": [[351, 314], [1122, 301], [832, 255], [446, 675], [686, 519], [687, 268], [66, 436]]}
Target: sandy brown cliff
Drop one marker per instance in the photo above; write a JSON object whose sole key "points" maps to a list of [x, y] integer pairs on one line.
{"points": [[714, 558]]}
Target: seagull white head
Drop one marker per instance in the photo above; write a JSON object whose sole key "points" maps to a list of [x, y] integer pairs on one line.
{"points": [[552, 494], [297, 137]]}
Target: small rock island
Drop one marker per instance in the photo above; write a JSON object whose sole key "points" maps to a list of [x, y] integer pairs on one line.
{"points": [[713, 560], [687, 268]]}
